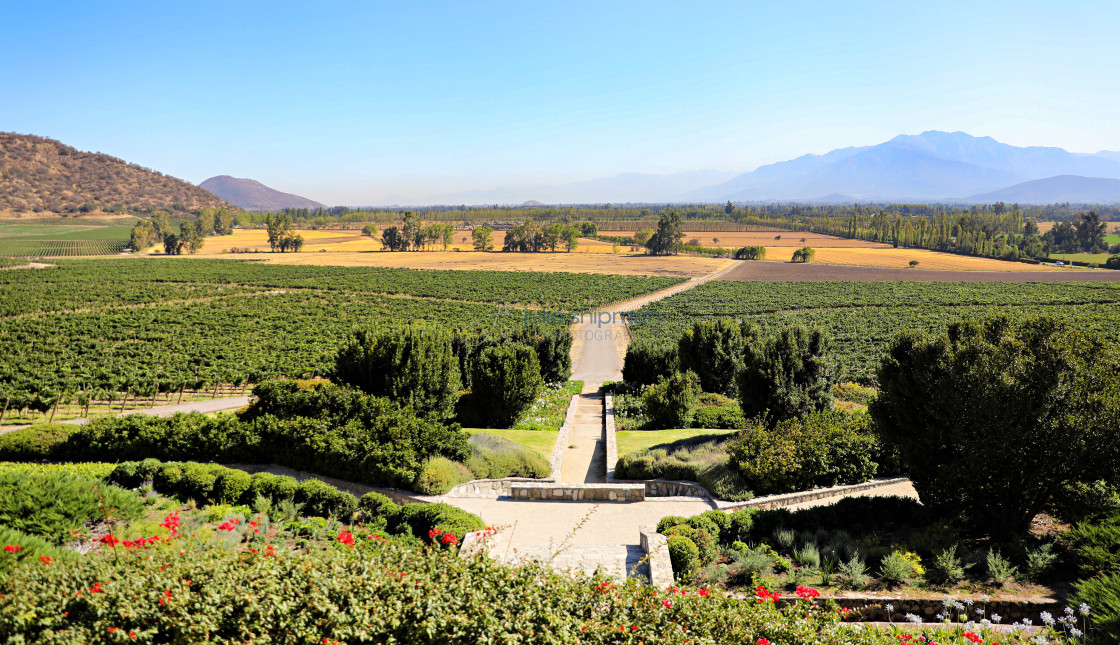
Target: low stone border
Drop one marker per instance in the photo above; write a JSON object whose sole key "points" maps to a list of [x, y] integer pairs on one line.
{"points": [[562, 438], [610, 440], [578, 492], [789, 499], [673, 488], [656, 547], [874, 609]]}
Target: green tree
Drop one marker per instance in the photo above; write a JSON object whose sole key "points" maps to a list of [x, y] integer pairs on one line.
{"points": [[278, 225], [1090, 231], [370, 230], [667, 239], [142, 236], [646, 362], [642, 236], [785, 375], [504, 383], [483, 238], [804, 254], [589, 229], [551, 235], [412, 232], [414, 365], [992, 418], [190, 238], [751, 253], [206, 221], [672, 401], [162, 225], [172, 245], [393, 239], [714, 351], [570, 236], [223, 222]]}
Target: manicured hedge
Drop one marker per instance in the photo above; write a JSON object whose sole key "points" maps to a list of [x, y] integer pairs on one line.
{"points": [[59, 506]]}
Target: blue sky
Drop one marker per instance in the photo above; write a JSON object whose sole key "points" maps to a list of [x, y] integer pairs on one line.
{"points": [[366, 102]]}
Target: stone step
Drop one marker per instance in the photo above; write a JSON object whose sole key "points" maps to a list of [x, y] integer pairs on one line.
{"points": [[578, 492]]}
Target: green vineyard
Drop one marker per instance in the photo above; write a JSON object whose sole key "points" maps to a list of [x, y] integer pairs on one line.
{"points": [[48, 248]]}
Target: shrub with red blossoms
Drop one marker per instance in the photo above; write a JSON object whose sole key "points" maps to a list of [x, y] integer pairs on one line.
{"points": [[807, 593], [973, 637], [764, 595], [171, 522], [13, 548], [345, 537]]}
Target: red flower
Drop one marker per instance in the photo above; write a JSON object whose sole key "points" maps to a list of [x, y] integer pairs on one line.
{"points": [[449, 538], [13, 548], [806, 593], [96, 588], [171, 522], [973, 636], [765, 596], [666, 603], [45, 559], [702, 592], [132, 635], [345, 537], [763, 641], [109, 539], [112, 629], [434, 533]]}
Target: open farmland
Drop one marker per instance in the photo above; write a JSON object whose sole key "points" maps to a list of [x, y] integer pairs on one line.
{"points": [[47, 240], [780, 239], [862, 317], [109, 326]]}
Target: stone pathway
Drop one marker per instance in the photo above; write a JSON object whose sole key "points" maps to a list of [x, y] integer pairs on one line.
{"points": [[209, 405], [585, 455]]}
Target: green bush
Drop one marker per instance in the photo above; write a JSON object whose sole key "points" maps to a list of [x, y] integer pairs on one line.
{"points": [[414, 365], [273, 487], [505, 382], [991, 418], [35, 442], [376, 509], [751, 253], [1097, 544], [646, 362], [854, 392], [821, 449], [197, 481], [1078, 500], [59, 506], [713, 350], [32, 547], [1113, 262], [671, 402], [323, 500], [422, 518], [440, 475], [700, 459], [168, 478], [495, 457], [785, 375], [684, 556], [719, 418], [232, 486], [1102, 594]]}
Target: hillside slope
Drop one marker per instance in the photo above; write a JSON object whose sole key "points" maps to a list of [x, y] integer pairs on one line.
{"points": [[252, 195], [1057, 190], [40, 175]]}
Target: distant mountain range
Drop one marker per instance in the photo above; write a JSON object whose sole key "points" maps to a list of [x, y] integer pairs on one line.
{"points": [[41, 175], [932, 166], [1056, 190], [252, 195], [627, 187]]}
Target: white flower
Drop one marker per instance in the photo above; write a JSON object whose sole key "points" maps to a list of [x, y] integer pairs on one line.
{"points": [[917, 620], [996, 618], [1047, 618], [1084, 609]]}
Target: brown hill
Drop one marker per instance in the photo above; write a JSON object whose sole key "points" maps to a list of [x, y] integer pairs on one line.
{"points": [[252, 195], [40, 175]]}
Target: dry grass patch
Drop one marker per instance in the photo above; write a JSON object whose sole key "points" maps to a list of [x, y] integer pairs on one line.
{"points": [[791, 239], [891, 258]]}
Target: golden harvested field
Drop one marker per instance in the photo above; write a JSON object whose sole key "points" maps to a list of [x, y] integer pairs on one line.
{"points": [[353, 240], [791, 239], [892, 258]]}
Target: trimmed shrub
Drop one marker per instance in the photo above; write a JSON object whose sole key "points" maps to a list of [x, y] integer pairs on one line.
{"points": [[786, 375], [323, 500], [197, 481], [232, 486], [414, 365], [713, 350], [646, 362], [168, 478], [671, 403], [440, 475], [32, 547], [719, 418], [684, 556], [274, 487], [378, 509], [505, 382], [422, 518], [36, 442], [822, 449]]}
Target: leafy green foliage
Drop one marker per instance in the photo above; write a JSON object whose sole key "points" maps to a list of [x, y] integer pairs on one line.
{"points": [[701, 459], [821, 449], [1102, 595], [59, 506], [494, 457], [34, 442], [414, 365], [713, 350], [504, 383], [993, 418], [672, 401], [645, 362], [787, 375], [440, 474], [684, 556]]}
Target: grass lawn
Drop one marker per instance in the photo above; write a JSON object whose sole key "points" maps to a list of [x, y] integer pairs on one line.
{"points": [[1093, 258], [635, 440], [1112, 238], [541, 441]]}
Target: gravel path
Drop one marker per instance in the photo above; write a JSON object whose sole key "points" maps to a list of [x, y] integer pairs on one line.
{"points": [[212, 405]]}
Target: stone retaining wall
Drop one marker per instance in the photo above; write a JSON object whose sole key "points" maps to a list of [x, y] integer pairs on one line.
{"points": [[610, 440], [669, 488], [354, 488], [656, 547], [578, 492], [557, 461], [1009, 611], [789, 499]]}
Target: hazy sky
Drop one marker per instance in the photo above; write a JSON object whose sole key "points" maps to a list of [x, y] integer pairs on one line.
{"points": [[367, 102]]}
